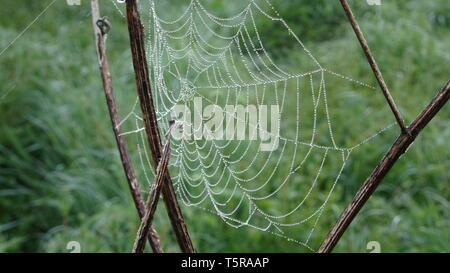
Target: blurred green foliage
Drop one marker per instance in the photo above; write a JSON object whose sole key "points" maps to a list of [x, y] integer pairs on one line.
{"points": [[312, 21], [61, 178]]}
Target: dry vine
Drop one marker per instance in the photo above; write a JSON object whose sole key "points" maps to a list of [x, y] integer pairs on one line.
{"points": [[100, 28], [153, 197], [399, 147], [136, 33]]}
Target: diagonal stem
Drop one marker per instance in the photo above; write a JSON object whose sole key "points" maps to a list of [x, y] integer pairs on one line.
{"points": [[137, 43], [373, 64], [400, 146], [100, 37], [152, 201]]}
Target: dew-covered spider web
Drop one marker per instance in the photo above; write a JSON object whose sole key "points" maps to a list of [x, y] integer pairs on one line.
{"points": [[196, 54]]}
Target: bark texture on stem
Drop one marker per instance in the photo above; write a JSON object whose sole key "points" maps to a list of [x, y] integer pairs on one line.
{"points": [[137, 41], [100, 38], [152, 201], [397, 149]]}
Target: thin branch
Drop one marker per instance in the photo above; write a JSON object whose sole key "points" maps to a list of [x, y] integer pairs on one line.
{"points": [[136, 33], [152, 201], [101, 26], [373, 64], [397, 149]]}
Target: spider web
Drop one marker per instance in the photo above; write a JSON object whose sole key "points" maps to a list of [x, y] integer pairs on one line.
{"points": [[224, 61]]}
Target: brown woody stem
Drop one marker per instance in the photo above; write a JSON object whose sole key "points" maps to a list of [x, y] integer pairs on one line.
{"points": [[100, 37], [373, 64], [397, 149], [152, 201], [136, 33]]}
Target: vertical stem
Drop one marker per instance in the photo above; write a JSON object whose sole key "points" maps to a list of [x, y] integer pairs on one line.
{"points": [[136, 33], [100, 37], [397, 149], [373, 64]]}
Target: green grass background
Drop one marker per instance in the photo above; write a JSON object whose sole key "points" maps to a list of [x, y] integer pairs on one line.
{"points": [[61, 178]]}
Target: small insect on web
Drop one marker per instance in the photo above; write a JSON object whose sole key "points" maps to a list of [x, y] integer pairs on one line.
{"points": [[276, 178]]}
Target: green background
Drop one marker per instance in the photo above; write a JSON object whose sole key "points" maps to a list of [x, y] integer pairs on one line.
{"points": [[60, 175]]}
